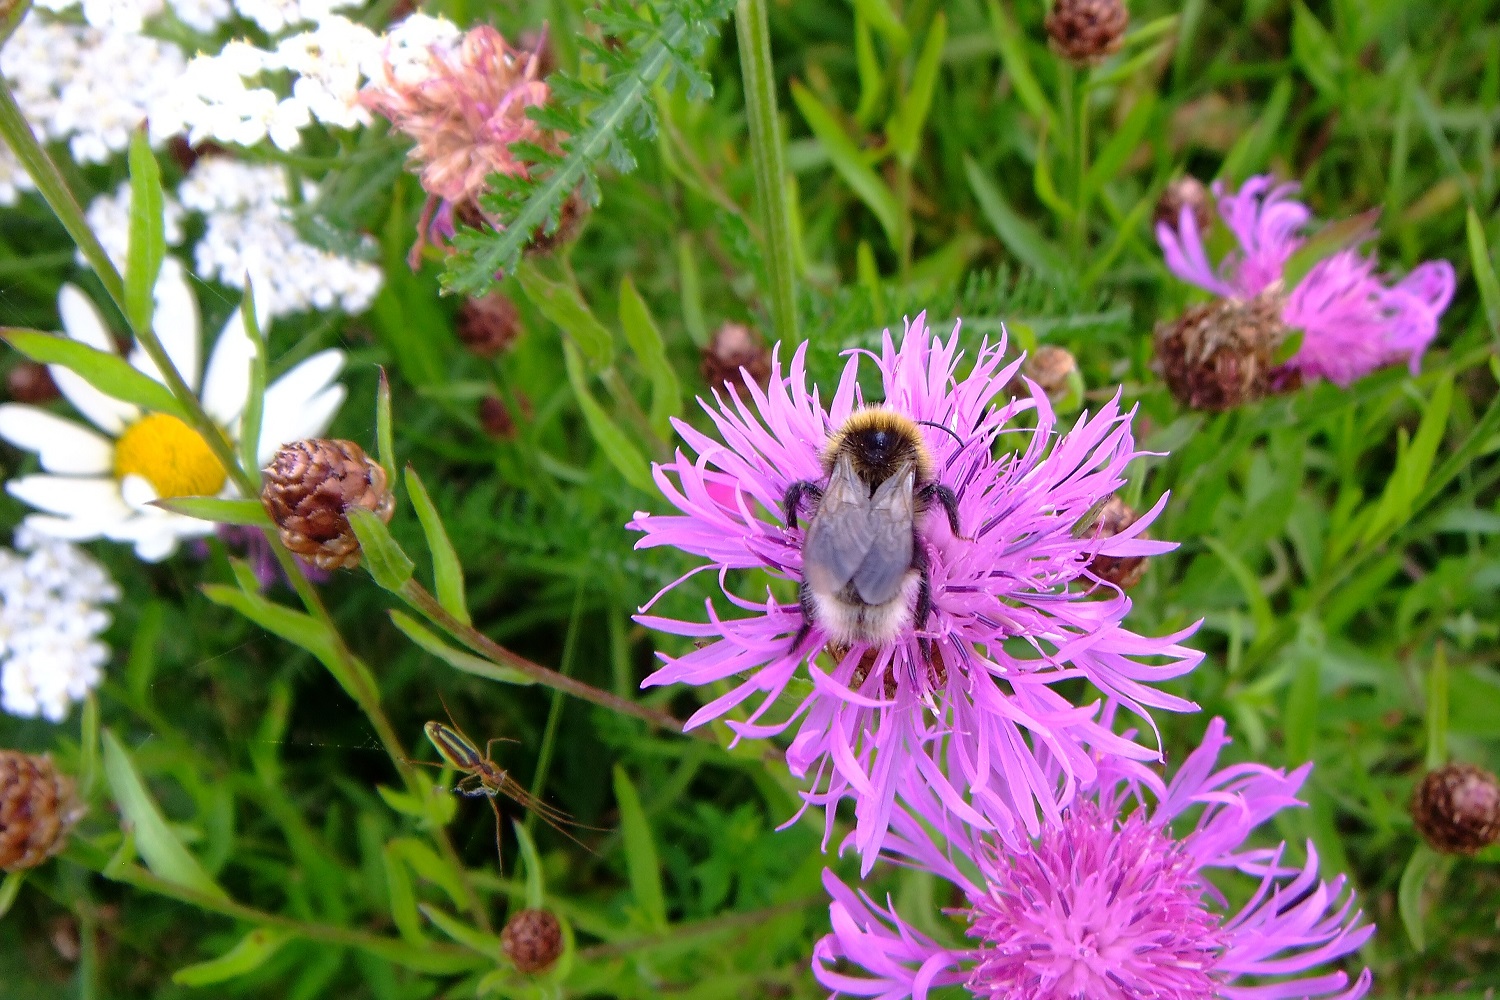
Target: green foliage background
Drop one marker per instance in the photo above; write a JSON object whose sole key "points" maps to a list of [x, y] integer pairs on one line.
{"points": [[1340, 545]]}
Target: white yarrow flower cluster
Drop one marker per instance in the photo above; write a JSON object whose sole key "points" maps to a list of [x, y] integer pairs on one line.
{"points": [[85, 85], [249, 231], [108, 216], [275, 16], [131, 15], [50, 622]]}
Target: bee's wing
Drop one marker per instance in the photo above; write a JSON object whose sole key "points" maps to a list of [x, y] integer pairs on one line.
{"points": [[840, 535], [892, 510]]}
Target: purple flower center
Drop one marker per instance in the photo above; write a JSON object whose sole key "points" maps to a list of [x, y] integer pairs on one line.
{"points": [[1098, 910]]}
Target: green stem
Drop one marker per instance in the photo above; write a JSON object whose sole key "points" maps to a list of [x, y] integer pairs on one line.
{"points": [[554, 711], [770, 163], [1081, 168]]}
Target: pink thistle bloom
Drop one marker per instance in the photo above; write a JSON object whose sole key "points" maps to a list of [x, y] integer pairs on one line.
{"points": [[1112, 903], [463, 108], [1352, 320], [1015, 609]]}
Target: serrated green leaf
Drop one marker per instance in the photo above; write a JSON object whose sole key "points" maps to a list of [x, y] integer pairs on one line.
{"points": [[651, 351], [104, 370], [447, 571], [147, 246], [217, 509], [389, 566], [613, 442], [563, 305], [850, 163], [1484, 272], [456, 658], [250, 953], [904, 131], [640, 853], [1012, 45], [159, 847], [1020, 237]]}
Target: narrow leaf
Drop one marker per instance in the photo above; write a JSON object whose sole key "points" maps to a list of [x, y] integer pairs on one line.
{"points": [[906, 125], [1484, 272], [640, 853], [104, 370], [850, 163], [250, 953], [1424, 862], [385, 442], [1020, 237], [216, 509], [563, 304], [255, 404], [1437, 709], [613, 442], [10, 889], [447, 571], [147, 246], [1315, 51], [884, 20], [158, 845], [456, 658], [294, 626], [651, 350], [470, 937], [389, 566], [1260, 608], [536, 889], [1251, 151], [1012, 46], [1123, 142]]}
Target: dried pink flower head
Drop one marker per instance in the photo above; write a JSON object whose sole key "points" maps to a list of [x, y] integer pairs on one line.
{"points": [[1114, 902], [464, 105], [1353, 321]]}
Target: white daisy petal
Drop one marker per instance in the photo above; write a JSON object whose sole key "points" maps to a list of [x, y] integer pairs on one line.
{"points": [[87, 499], [176, 324], [154, 546], [83, 323], [66, 528], [62, 445], [305, 381], [226, 384], [309, 420], [137, 493]]}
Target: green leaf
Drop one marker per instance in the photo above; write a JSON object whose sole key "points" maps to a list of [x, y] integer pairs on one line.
{"points": [[299, 629], [884, 20], [1424, 861], [216, 509], [255, 403], [1315, 51], [429, 865], [250, 953], [1260, 608], [104, 370], [1484, 272], [455, 658], [10, 889], [850, 163], [536, 889], [470, 937], [403, 896], [1124, 141], [385, 445], [871, 76], [613, 442], [1437, 709], [563, 305], [651, 351], [158, 845], [389, 566], [1012, 45], [640, 853], [1413, 464], [1300, 718], [447, 571], [904, 131], [1251, 151], [691, 287], [1020, 237], [148, 242]]}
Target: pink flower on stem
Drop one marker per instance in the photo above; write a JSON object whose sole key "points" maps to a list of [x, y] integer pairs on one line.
{"points": [[1112, 903], [1352, 320], [463, 108], [1015, 609]]}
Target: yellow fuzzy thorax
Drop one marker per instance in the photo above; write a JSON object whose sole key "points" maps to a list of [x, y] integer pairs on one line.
{"points": [[169, 455], [874, 419]]}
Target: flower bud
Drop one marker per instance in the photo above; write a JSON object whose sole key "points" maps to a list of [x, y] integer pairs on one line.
{"points": [[311, 486], [1185, 192], [735, 346], [1222, 354], [1456, 808], [38, 808], [1085, 31], [29, 382], [532, 939], [488, 325], [1055, 370], [1122, 571]]}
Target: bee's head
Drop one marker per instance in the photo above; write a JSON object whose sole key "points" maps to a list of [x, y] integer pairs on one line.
{"points": [[879, 441]]}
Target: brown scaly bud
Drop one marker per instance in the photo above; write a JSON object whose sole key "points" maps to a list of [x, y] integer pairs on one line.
{"points": [[1085, 31], [1222, 354], [489, 324], [29, 382], [735, 346], [38, 808], [1185, 192], [1122, 571], [1055, 370], [532, 939], [1457, 809], [309, 490]]}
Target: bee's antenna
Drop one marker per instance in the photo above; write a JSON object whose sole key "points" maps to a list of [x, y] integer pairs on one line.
{"points": [[944, 428]]}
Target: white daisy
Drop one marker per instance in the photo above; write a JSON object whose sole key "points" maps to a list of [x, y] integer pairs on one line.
{"points": [[100, 485]]}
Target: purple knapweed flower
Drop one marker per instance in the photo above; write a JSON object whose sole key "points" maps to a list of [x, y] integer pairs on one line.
{"points": [[1112, 903], [1352, 320], [1015, 607]]}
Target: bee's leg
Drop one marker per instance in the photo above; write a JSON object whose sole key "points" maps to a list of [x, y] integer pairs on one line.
{"points": [[794, 494], [949, 500], [924, 599], [805, 600]]}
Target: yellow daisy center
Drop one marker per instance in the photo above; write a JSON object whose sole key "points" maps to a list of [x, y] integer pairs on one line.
{"points": [[169, 455]]}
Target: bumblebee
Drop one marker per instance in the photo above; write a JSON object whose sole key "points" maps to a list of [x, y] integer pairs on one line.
{"points": [[864, 570]]}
